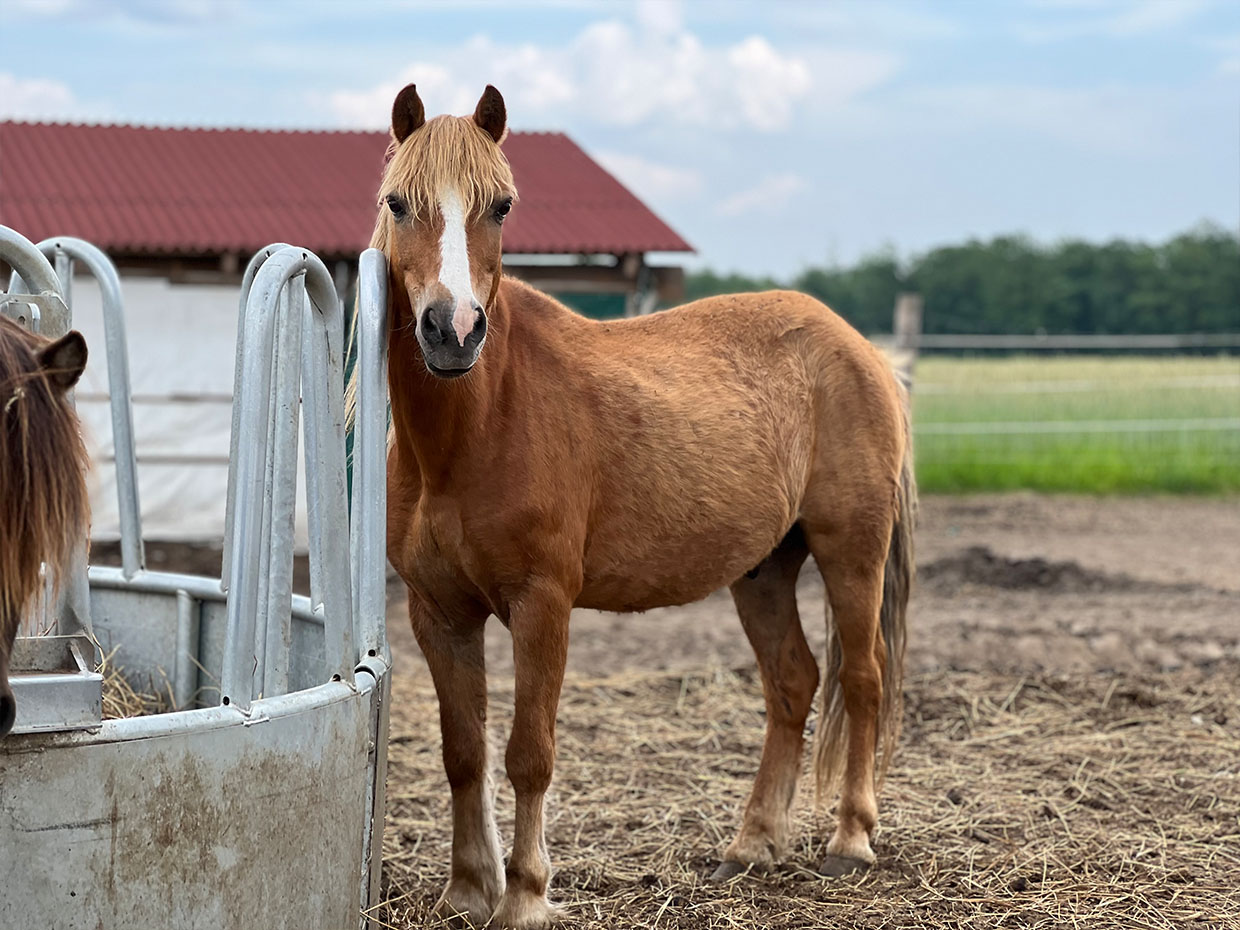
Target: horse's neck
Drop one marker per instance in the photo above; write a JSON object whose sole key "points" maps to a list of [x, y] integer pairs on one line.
{"points": [[437, 420]]}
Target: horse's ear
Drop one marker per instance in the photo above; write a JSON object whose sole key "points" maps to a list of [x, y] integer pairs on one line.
{"points": [[491, 114], [408, 114], [64, 360]]}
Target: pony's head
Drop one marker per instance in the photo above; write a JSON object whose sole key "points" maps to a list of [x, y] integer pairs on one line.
{"points": [[445, 193], [43, 505]]}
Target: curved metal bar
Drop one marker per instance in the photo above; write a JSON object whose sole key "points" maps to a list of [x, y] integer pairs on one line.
{"points": [[133, 558], [199, 587], [247, 282], [327, 481], [63, 263], [73, 604], [202, 719], [322, 370], [28, 264], [49, 314], [369, 540], [274, 624]]}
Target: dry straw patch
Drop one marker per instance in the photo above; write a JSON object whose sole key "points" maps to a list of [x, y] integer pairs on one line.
{"points": [[1109, 801], [121, 698]]}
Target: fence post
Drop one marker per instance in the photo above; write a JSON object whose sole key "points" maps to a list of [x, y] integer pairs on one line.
{"points": [[907, 330]]}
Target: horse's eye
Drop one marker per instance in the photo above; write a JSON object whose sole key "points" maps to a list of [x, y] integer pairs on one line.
{"points": [[502, 208], [396, 205]]}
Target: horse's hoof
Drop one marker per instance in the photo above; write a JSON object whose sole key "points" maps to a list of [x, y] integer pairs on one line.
{"points": [[728, 870], [465, 904], [839, 866], [523, 910]]}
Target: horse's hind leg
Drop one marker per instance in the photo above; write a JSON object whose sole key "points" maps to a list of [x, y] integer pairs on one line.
{"points": [[851, 550], [766, 602]]}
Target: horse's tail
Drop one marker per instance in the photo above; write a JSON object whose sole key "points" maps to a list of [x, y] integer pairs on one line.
{"points": [[831, 737]]}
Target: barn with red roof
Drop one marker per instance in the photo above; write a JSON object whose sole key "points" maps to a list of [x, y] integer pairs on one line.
{"points": [[195, 204], [180, 211]]}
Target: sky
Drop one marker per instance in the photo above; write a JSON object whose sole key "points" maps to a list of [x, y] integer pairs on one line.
{"points": [[771, 135]]}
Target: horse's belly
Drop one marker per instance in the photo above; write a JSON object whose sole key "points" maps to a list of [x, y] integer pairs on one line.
{"points": [[696, 494], [676, 548], [662, 572]]}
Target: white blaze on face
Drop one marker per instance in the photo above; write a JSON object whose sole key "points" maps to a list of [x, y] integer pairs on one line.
{"points": [[454, 264]]}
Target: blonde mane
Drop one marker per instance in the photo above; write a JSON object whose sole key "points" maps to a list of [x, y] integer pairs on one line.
{"points": [[447, 152]]}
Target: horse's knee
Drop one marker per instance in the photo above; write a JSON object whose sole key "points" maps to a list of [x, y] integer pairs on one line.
{"points": [[530, 761], [464, 758]]}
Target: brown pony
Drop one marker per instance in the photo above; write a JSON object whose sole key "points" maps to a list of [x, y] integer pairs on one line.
{"points": [[542, 461], [43, 503]]}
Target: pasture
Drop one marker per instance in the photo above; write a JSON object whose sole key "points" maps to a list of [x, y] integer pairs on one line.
{"points": [[1071, 423], [1072, 731]]}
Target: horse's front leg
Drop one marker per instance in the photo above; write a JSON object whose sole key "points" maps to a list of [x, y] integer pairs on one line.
{"points": [[539, 624], [455, 655]]}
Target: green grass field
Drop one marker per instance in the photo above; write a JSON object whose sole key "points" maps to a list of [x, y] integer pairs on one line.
{"points": [[1072, 423]]}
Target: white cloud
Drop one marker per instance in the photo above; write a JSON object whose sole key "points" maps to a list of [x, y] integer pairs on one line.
{"points": [[372, 107], [770, 195], [767, 82], [615, 74], [35, 98], [652, 181]]}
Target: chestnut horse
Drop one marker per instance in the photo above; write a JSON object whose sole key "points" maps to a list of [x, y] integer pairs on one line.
{"points": [[541, 461], [43, 503]]}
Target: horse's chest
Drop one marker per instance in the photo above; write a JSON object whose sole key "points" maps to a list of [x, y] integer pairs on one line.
{"points": [[454, 554]]}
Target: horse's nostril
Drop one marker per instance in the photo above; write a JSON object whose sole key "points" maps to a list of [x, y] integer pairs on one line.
{"points": [[480, 323], [8, 713]]}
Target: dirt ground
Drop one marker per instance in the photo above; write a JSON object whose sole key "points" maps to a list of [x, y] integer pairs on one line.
{"points": [[1071, 754], [1071, 749], [1026, 801]]}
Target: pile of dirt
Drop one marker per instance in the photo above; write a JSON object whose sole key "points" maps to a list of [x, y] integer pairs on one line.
{"points": [[1034, 802], [979, 565]]}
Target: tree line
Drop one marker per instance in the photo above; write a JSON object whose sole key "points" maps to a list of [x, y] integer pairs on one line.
{"points": [[1010, 284]]}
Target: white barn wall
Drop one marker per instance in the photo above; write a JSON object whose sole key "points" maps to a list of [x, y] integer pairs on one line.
{"points": [[181, 355]]}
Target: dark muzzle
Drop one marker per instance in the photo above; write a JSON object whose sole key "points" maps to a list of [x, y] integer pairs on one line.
{"points": [[449, 349]]}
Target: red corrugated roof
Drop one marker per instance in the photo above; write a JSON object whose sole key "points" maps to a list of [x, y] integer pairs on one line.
{"points": [[138, 189]]}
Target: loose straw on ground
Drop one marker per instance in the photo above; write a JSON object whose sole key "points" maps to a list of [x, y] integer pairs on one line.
{"points": [[1035, 802]]}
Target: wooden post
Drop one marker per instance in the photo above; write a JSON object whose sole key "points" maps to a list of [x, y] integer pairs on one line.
{"points": [[907, 331]]}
